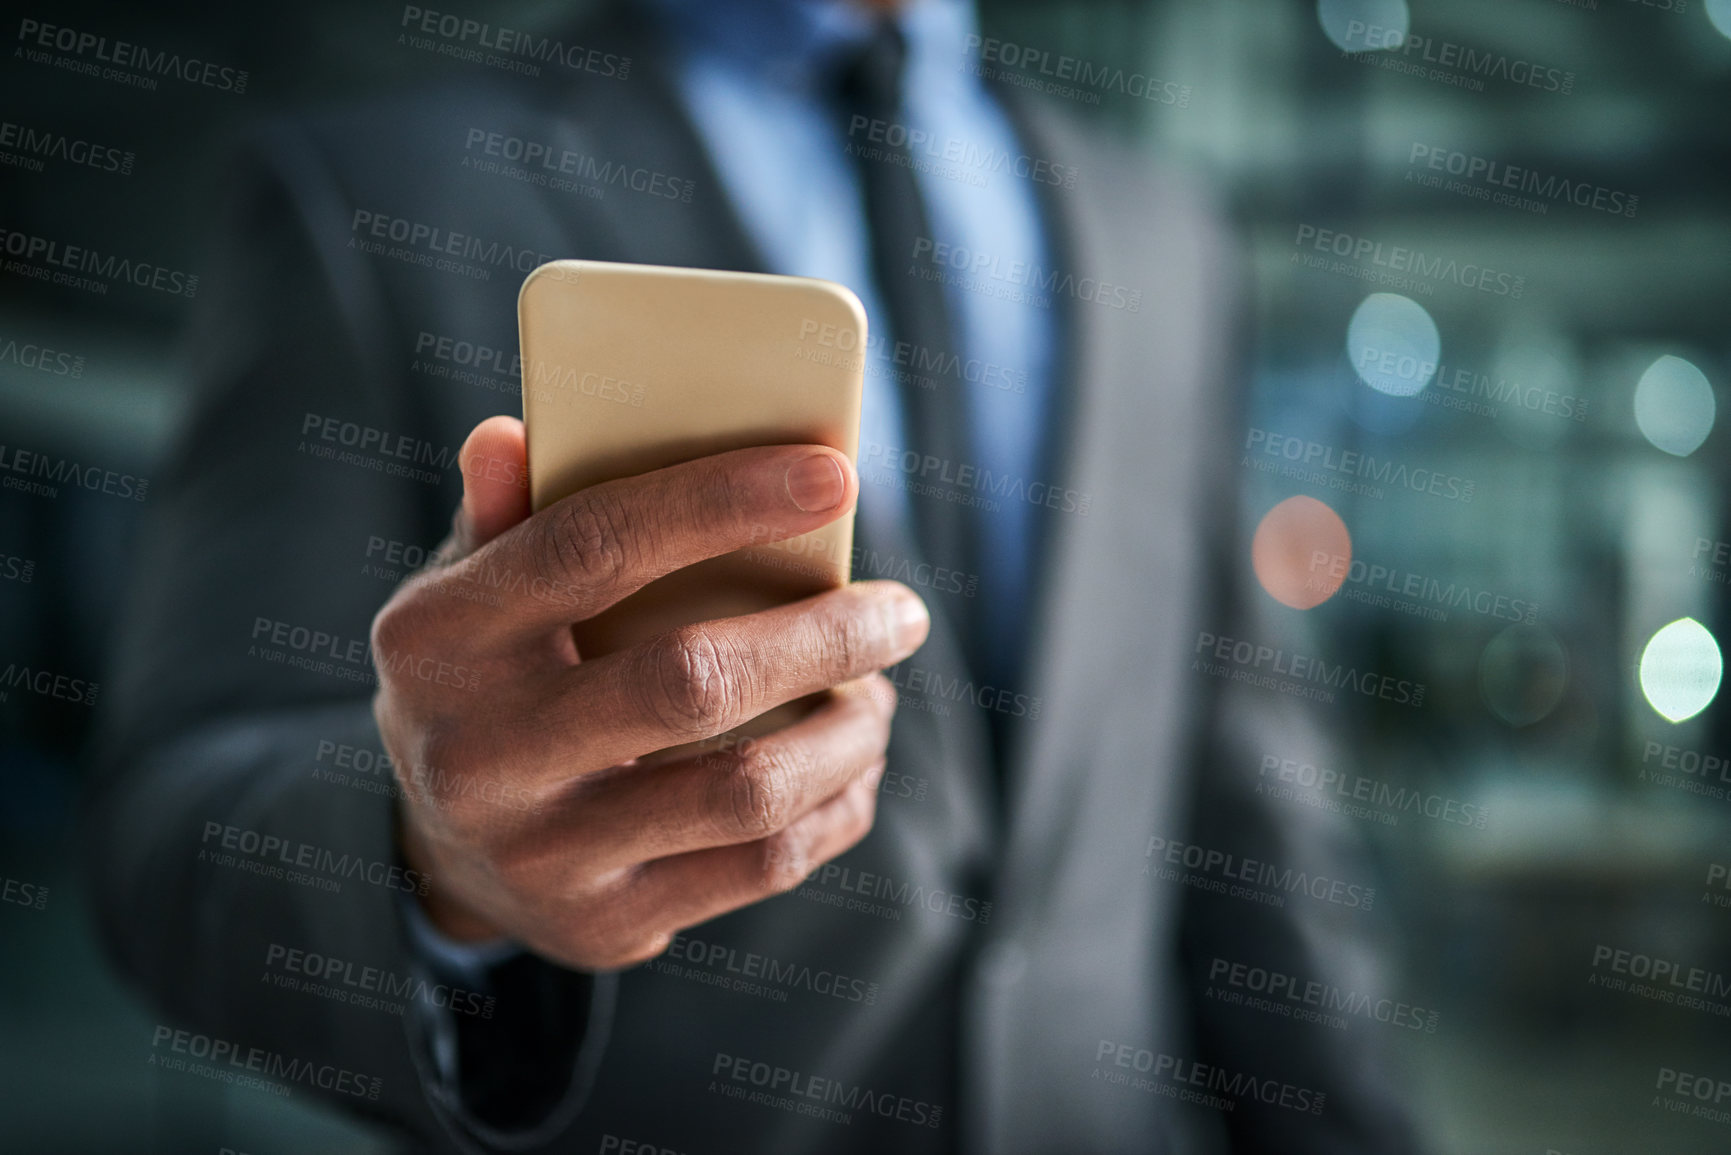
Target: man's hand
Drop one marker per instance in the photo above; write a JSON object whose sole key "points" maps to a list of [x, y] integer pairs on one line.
{"points": [[523, 803]]}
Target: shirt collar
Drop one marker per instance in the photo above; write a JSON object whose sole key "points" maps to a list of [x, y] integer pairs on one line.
{"points": [[796, 44]]}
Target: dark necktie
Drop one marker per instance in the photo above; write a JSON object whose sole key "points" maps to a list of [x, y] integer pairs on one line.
{"points": [[870, 86]]}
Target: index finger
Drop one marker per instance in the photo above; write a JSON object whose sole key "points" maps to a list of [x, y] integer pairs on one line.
{"points": [[588, 551]]}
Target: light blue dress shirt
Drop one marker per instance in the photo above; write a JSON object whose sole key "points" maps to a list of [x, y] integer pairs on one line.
{"points": [[753, 76]]}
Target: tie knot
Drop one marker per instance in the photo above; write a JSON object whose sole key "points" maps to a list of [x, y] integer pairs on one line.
{"points": [[870, 79]]}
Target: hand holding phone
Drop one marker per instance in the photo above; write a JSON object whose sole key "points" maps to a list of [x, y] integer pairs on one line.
{"points": [[526, 797], [583, 807]]}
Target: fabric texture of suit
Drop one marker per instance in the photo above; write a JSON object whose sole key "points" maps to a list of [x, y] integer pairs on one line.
{"points": [[1000, 956]]}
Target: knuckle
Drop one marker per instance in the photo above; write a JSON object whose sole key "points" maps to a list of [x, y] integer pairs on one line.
{"points": [[690, 684], [588, 540], [397, 625], [759, 794]]}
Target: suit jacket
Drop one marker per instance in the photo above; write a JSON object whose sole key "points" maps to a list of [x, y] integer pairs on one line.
{"points": [[982, 973]]}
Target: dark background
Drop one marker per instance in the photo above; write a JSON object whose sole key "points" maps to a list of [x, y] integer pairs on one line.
{"points": [[1587, 519]]}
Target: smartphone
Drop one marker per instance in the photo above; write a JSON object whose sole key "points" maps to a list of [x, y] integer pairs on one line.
{"points": [[631, 368]]}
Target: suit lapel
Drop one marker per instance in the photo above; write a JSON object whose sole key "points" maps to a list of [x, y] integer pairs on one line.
{"points": [[1117, 584]]}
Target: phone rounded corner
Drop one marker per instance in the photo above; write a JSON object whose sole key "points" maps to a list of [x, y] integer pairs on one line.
{"points": [[849, 300], [559, 270]]}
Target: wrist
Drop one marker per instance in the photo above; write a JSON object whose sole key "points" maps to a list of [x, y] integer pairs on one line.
{"points": [[448, 913]]}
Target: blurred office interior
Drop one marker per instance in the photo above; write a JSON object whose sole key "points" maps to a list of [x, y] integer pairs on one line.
{"points": [[1572, 383]]}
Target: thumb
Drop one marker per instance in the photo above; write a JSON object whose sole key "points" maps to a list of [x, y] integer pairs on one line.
{"points": [[495, 464]]}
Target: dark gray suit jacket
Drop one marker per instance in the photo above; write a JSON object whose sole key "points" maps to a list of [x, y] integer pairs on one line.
{"points": [[963, 981]]}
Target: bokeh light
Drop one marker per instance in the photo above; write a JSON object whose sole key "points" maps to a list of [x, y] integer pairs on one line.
{"points": [[1523, 672], [1377, 412], [1719, 15], [1674, 406], [1680, 669], [1301, 552], [1352, 24], [1393, 344]]}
